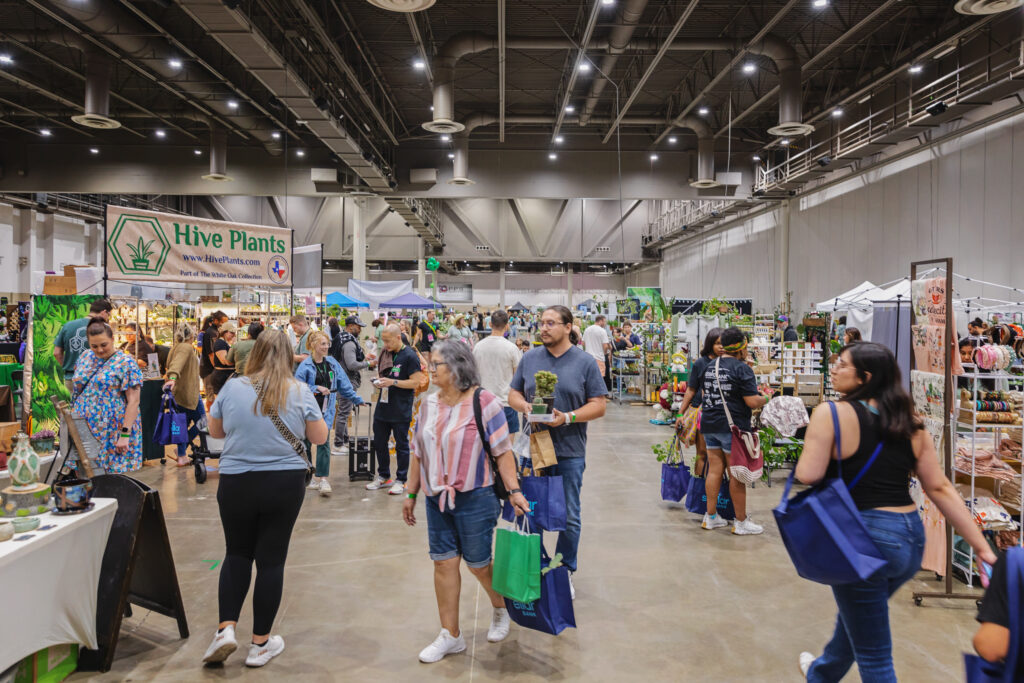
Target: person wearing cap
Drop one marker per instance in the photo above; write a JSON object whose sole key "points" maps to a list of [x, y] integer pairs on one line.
{"points": [[788, 331], [346, 350], [222, 367]]}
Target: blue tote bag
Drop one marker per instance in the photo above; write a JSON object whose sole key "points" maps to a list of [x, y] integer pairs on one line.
{"points": [[547, 501], [675, 480], [1006, 671], [552, 612], [697, 498], [823, 531], [171, 423]]}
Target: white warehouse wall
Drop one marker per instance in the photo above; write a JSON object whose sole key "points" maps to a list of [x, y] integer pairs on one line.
{"points": [[961, 198]]}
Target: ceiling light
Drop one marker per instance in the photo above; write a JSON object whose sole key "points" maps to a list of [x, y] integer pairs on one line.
{"points": [[431, 107], [174, 63], [6, 59], [45, 132], [757, 158], [915, 69], [450, 155], [160, 134], [418, 64], [198, 152], [749, 68], [584, 67], [836, 113], [569, 108], [446, 138], [559, 139], [232, 104], [672, 140], [94, 150], [820, 3], [275, 135], [607, 2], [300, 153], [552, 156], [654, 157], [784, 141], [703, 111]]}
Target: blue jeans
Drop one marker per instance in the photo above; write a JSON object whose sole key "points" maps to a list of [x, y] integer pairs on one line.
{"points": [[467, 529], [568, 544], [862, 627], [193, 417], [512, 417]]}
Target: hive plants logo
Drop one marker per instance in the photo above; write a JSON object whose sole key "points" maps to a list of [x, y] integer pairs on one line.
{"points": [[138, 245]]}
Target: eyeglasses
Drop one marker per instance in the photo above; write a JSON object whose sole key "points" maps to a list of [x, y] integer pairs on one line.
{"points": [[551, 323], [433, 366], [840, 364]]}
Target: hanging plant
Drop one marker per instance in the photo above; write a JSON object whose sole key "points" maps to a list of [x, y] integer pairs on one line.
{"points": [[716, 306]]}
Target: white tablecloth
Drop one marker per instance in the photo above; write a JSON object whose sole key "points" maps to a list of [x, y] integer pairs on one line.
{"points": [[49, 583]]}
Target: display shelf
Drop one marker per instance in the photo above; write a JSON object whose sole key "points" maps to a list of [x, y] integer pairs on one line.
{"points": [[627, 377]]}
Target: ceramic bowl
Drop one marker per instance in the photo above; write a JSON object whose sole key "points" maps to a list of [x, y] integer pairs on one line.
{"points": [[6, 530], [73, 494], [23, 524]]}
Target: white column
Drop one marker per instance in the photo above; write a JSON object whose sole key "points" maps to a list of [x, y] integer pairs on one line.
{"points": [[44, 224], [25, 238], [501, 286], [784, 252], [421, 269], [359, 238], [568, 281]]}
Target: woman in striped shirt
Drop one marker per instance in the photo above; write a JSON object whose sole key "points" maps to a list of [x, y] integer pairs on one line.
{"points": [[455, 475]]}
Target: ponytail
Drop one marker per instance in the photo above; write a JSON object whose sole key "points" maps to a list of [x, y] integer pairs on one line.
{"points": [[98, 326]]}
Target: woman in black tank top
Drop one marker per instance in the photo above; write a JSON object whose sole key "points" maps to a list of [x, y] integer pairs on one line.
{"points": [[876, 415]]}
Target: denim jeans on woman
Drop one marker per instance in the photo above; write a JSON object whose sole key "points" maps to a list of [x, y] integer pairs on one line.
{"points": [[862, 627]]}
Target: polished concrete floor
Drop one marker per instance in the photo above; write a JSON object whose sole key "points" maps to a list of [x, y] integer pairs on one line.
{"points": [[658, 598]]}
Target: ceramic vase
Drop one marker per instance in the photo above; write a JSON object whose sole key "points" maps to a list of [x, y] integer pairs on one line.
{"points": [[23, 463]]}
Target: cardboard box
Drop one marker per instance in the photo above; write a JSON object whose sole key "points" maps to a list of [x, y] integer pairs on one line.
{"points": [[59, 285], [69, 271], [8, 430], [49, 665]]}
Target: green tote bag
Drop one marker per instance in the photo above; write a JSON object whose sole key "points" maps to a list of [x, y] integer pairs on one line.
{"points": [[517, 562]]}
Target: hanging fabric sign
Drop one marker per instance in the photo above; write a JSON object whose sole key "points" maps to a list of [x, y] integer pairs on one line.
{"points": [[148, 245]]}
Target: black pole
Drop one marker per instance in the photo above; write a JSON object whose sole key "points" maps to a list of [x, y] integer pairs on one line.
{"points": [[323, 301], [104, 258], [899, 304], [291, 281]]}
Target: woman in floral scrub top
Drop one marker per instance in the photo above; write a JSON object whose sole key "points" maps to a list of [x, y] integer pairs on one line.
{"points": [[102, 374]]}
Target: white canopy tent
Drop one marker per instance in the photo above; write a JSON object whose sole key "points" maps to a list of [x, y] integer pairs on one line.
{"points": [[861, 295]]}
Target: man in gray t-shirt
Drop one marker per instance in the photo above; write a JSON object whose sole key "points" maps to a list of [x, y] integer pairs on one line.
{"points": [[71, 340], [579, 397]]}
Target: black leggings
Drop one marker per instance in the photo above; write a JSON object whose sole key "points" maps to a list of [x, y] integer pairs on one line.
{"points": [[258, 511]]}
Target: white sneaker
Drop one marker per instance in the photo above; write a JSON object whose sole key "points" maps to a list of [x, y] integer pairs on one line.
{"points": [[339, 450], [499, 625], [747, 528], [572, 588], [806, 659], [259, 655], [314, 484], [325, 488], [379, 483], [397, 489], [715, 522], [443, 645], [223, 645]]}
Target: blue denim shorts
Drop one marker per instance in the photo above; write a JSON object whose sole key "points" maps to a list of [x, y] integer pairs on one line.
{"points": [[466, 530], [720, 440]]}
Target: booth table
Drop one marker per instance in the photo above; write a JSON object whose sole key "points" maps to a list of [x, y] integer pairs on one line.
{"points": [[50, 583]]}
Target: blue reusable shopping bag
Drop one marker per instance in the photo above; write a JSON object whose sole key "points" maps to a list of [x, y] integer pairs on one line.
{"points": [[697, 499], [552, 612], [546, 495], [823, 531], [983, 671], [675, 479], [171, 423]]}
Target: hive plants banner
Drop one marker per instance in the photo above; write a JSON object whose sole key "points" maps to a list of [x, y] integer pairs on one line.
{"points": [[164, 247], [49, 313]]}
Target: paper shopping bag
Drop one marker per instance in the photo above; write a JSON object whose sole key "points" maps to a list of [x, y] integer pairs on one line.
{"points": [[542, 449]]}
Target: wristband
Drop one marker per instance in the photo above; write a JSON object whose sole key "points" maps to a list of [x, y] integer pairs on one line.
{"points": [[411, 496], [572, 417], [125, 432]]}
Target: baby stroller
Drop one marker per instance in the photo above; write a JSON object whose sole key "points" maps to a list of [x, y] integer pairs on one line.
{"points": [[208, 447]]}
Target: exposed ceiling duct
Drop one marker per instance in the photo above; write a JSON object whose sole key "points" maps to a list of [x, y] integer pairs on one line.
{"points": [[97, 93], [973, 7], [618, 39], [403, 5], [218, 155], [468, 43], [233, 30], [705, 152]]}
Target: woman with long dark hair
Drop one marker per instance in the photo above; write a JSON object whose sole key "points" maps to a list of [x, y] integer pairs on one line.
{"points": [[876, 413], [712, 349]]}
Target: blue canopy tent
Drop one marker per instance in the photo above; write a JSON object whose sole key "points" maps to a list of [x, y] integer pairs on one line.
{"points": [[410, 300], [339, 299]]}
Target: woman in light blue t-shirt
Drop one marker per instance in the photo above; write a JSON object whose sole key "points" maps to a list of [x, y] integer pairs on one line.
{"points": [[262, 483]]}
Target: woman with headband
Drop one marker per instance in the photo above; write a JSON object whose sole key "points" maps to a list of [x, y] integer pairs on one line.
{"points": [[727, 382]]}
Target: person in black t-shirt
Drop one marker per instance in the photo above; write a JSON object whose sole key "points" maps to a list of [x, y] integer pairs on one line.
{"points": [[222, 367], [211, 325], [399, 376], [426, 333], [992, 641]]}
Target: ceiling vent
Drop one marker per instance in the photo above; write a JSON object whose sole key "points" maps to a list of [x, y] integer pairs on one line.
{"points": [[704, 184], [793, 129], [403, 5], [97, 94], [443, 126], [461, 181], [96, 121], [975, 7], [218, 156]]}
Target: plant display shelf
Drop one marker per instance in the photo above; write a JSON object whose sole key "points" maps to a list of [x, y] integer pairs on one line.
{"points": [[627, 373]]}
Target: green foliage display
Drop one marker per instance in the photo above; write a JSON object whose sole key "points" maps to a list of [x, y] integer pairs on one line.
{"points": [[776, 455], [716, 306], [49, 313], [546, 382]]}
